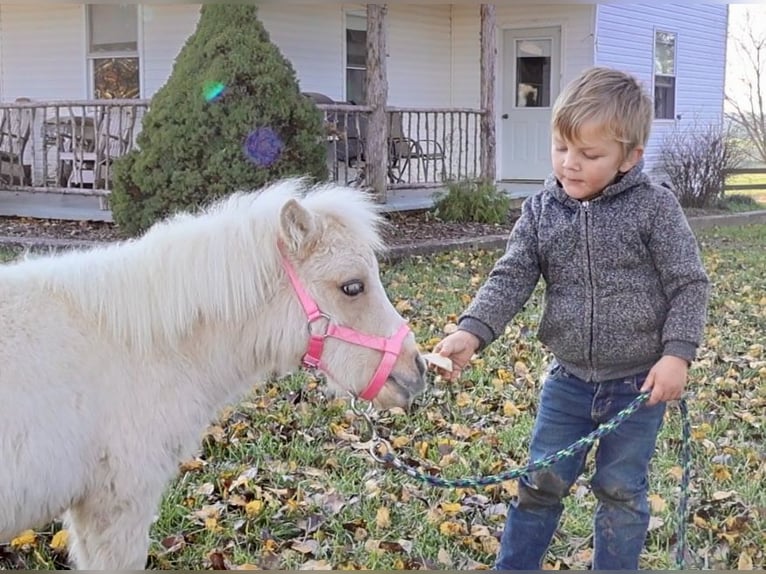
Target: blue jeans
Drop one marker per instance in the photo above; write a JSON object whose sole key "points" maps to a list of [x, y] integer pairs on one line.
{"points": [[569, 409]]}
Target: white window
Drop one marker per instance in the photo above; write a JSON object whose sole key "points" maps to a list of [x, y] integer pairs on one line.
{"points": [[356, 58], [113, 51], [664, 75]]}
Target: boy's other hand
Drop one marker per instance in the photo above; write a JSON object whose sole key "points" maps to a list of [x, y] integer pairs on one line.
{"points": [[666, 380], [459, 347]]}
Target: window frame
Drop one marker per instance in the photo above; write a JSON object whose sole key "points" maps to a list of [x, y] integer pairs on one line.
{"points": [[347, 16], [91, 57], [674, 76]]}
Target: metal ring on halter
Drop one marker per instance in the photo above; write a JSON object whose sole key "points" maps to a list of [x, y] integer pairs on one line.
{"points": [[375, 439], [310, 322]]}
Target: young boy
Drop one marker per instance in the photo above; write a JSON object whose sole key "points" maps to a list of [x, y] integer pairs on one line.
{"points": [[625, 308]]}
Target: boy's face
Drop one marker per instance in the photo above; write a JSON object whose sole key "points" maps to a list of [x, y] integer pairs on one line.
{"points": [[585, 167]]}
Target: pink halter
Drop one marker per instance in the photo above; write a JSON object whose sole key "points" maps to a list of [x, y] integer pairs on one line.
{"points": [[391, 347]]}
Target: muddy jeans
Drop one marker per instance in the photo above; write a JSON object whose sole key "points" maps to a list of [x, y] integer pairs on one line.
{"points": [[569, 409]]}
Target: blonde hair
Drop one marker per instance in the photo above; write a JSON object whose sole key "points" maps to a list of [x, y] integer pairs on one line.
{"points": [[614, 99]]}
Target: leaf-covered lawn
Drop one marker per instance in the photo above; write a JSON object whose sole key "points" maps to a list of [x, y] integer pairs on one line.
{"points": [[284, 481]]}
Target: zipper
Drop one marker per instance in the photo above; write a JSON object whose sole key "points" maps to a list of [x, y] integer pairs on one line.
{"points": [[591, 301]]}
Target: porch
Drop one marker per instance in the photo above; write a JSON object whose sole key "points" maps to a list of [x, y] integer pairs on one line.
{"points": [[56, 157]]}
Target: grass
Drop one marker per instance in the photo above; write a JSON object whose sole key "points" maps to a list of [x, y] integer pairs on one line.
{"points": [[283, 480]]}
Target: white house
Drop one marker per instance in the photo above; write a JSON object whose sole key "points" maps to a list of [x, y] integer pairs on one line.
{"points": [[76, 51]]}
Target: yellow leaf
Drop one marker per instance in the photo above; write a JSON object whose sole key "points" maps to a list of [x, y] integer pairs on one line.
{"points": [[721, 473], [676, 472], [254, 507], [26, 538], [744, 562], [521, 368], [657, 503], [60, 540], [211, 524], [403, 305], [511, 487], [504, 375], [510, 410], [699, 521], [449, 528], [400, 441], [463, 400], [191, 465], [383, 517], [451, 507]]}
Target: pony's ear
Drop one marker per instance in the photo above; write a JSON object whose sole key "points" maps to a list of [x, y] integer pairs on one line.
{"points": [[298, 227]]}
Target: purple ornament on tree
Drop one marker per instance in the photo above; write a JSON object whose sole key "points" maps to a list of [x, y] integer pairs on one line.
{"points": [[263, 147]]}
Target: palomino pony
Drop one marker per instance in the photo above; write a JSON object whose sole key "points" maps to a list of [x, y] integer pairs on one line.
{"points": [[114, 360]]}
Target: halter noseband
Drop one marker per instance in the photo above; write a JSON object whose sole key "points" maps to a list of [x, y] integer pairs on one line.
{"points": [[391, 346]]}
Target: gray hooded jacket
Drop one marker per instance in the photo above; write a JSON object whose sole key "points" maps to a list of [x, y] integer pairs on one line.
{"points": [[624, 283]]}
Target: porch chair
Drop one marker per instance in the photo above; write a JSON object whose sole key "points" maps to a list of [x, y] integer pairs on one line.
{"points": [[15, 128], [403, 150], [114, 134]]}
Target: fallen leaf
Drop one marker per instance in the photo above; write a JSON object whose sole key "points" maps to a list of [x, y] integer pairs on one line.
{"points": [[657, 503], [383, 517], [305, 546], [316, 565], [723, 494], [26, 538], [510, 410], [254, 507], [60, 540], [443, 557], [745, 562]]}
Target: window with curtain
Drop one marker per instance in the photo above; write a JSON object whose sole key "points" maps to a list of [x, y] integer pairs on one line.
{"points": [[113, 51], [664, 75], [356, 58]]}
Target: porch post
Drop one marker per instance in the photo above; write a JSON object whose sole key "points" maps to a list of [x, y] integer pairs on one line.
{"points": [[376, 152], [487, 79]]}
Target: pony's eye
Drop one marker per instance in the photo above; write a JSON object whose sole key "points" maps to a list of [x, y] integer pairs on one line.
{"points": [[353, 288]]}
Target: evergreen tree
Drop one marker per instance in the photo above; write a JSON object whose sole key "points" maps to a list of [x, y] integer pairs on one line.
{"points": [[230, 117]]}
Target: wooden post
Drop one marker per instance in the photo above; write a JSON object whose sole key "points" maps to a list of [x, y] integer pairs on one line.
{"points": [[487, 79], [376, 150]]}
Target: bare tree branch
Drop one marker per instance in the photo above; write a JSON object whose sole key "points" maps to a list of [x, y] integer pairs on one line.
{"points": [[748, 98]]}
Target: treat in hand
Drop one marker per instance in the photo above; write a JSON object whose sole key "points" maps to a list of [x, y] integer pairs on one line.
{"points": [[437, 360]]}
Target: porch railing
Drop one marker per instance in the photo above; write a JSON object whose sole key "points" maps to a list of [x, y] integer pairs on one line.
{"points": [[66, 146], [426, 146]]}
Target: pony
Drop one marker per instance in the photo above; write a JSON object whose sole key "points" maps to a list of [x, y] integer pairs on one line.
{"points": [[114, 359]]}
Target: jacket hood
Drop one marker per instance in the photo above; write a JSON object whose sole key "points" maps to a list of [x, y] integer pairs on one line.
{"points": [[624, 182]]}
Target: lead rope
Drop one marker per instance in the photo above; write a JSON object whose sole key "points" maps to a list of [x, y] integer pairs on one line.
{"points": [[388, 458]]}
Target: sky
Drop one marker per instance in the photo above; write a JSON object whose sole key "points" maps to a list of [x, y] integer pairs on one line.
{"points": [[739, 16]]}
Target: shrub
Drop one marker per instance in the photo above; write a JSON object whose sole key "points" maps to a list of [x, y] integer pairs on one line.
{"points": [[695, 161], [230, 117], [472, 200]]}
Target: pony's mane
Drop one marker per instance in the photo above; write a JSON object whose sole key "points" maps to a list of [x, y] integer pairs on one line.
{"points": [[217, 264]]}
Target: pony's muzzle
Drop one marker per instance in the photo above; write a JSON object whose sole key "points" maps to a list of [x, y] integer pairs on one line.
{"points": [[405, 383]]}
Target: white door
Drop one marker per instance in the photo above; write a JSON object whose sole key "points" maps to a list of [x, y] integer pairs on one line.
{"points": [[531, 76]]}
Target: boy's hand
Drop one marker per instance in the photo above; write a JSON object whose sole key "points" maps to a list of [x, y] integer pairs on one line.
{"points": [[666, 380], [459, 347]]}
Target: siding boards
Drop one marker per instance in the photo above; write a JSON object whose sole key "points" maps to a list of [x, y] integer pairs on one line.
{"points": [[625, 40]]}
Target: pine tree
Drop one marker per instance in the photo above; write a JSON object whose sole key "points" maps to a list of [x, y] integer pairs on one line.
{"points": [[230, 117]]}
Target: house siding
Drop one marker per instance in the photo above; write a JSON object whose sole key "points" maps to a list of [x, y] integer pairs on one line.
{"points": [[41, 65], [164, 30], [625, 40]]}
